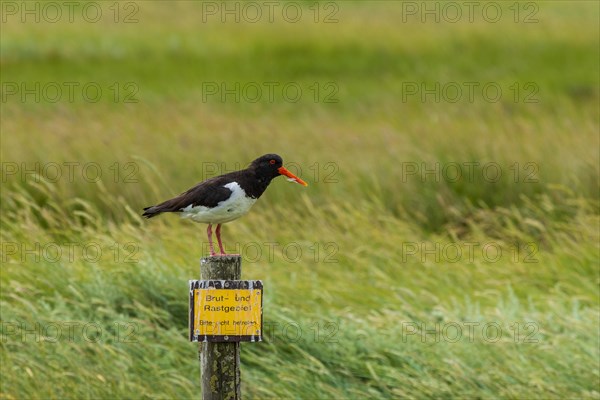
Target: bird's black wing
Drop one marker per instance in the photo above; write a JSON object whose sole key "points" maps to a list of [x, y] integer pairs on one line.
{"points": [[208, 193]]}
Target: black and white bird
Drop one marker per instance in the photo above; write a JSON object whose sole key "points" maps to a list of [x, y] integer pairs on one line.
{"points": [[226, 197]]}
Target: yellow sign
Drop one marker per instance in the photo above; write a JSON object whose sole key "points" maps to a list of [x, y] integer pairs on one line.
{"points": [[226, 311]]}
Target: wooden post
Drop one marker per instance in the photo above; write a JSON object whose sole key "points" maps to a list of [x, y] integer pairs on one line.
{"points": [[220, 362]]}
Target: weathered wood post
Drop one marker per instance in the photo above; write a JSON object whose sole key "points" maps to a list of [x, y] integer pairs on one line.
{"points": [[220, 362], [224, 311]]}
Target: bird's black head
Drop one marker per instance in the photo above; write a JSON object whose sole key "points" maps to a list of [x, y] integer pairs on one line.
{"points": [[267, 165], [270, 166]]}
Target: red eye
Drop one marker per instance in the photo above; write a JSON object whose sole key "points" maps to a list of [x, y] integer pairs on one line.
{"points": [[272, 162]]}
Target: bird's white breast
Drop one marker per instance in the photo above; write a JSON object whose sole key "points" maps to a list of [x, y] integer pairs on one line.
{"points": [[234, 207]]}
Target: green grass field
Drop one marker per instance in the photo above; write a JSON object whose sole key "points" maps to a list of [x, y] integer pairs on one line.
{"points": [[447, 245]]}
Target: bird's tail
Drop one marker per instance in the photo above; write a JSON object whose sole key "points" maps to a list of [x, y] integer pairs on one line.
{"points": [[150, 212]]}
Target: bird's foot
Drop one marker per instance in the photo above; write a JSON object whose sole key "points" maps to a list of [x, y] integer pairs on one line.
{"points": [[213, 254]]}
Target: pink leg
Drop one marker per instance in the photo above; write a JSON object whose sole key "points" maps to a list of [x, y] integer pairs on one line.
{"points": [[219, 239], [210, 242]]}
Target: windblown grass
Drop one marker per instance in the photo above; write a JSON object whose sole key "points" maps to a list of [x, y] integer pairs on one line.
{"points": [[364, 288], [334, 329]]}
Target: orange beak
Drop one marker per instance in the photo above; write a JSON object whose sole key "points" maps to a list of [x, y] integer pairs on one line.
{"points": [[293, 177]]}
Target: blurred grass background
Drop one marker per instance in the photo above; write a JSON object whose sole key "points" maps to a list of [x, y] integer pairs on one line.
{"points": [[361, 210]]}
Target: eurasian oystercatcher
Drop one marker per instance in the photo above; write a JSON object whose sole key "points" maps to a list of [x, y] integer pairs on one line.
{"points": [[227, 197]]}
